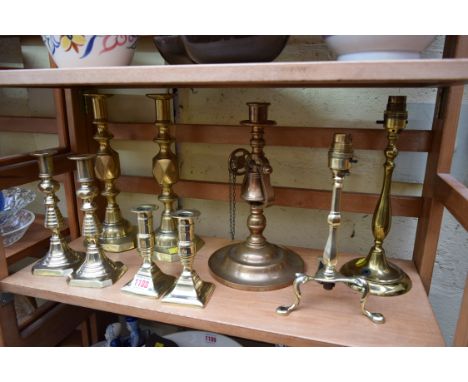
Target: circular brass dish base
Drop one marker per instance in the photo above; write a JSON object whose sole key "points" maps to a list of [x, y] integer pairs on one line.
{"points": [[384, 282], [256, 269]]}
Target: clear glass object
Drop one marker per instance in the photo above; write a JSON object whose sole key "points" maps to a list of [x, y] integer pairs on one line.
{"points": [[15, 229], [14, 199]]}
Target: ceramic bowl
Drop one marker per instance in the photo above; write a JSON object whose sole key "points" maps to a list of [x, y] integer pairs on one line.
{"points": [[15, 230], [357, 48], [71, 51], [12, 200]]}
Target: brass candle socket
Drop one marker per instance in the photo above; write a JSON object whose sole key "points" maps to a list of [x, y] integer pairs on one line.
{"points": [[117, 234], [384, 278], [189, 289], [60, 259], [97, 271], [149, 281], [255, 264], [339, 161], [166, 173]]}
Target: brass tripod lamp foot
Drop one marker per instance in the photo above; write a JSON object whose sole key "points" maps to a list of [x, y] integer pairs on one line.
{"points": [[340, 157], [97, 271], [189, 289], [60, 259], [117, 234], [149, 281], [384, 278], [254, 264], [166, 173]]}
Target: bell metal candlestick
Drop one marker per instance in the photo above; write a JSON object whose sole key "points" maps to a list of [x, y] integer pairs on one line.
{"points": [[60, 259], [189, 289], [149, 281], [98, 270], [339, 160], [116, 235], [384, 278], [166, 173], [254, 264]]}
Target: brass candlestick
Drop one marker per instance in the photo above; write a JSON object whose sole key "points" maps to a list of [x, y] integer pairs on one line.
{"points": [[384, 278], [255, 264], [189, 289], [116, 235], [60, 259], [339, 160], [166, 173], [98, 270], [149, 281]]}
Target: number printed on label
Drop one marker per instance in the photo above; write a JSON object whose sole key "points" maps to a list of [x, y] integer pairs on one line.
{"points": [[141, 283], [210, 339]]}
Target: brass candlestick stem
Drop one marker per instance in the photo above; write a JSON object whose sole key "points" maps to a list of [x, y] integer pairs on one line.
{"points": [[98, 270], [255, 264], [166, 173], [149, 281], [116, 235], [60, 259], [339, 160], [384, 278], [189, 289]]}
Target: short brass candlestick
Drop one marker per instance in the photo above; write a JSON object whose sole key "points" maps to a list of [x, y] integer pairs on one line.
{"points": [[166, 173], [98, 270], [116, 235], [149, 281], [60, 259], [255, 264], [339, 160], [189, 289], [384, 278]]}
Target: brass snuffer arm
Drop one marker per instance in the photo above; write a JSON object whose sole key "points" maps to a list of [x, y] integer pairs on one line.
{"points": [[339, 161]]}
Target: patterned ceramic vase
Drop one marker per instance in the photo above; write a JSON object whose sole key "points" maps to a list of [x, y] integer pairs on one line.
{"points": [[70, 51]]}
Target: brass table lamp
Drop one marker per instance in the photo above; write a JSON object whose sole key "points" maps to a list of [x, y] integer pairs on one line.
{"points": [[339, 160], [384, 278], [60, 259], [97, 271], [189, 289], [149, 281], [166, 173], [255, 264], [117, 233]]}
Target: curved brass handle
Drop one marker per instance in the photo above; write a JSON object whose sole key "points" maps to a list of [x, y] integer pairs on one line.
{"points": [[298, 281]]}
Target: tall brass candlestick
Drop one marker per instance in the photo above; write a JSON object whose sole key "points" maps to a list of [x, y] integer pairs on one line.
{"points": [[189, 289], [117, 235], [255, 264], [166, 173], [98, 270], [149, 281], [60, 259], [384, 278], [339, 161]]}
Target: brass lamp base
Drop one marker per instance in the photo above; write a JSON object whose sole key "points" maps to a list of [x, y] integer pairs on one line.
{"points": [[117, 237], [166, 248], [265, 268], [190, 290], [384, 279], [149, 282]]}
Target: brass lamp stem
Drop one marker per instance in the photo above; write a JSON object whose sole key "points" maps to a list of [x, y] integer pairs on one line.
{"points": [[60, 259], [117, 235], [384, 278]]}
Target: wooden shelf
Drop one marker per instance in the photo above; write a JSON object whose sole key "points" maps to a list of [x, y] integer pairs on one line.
{"points": [[324, 318], [405, 73]]}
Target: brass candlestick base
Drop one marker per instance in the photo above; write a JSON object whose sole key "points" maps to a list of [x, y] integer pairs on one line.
{"points": [[117, 234], [60, 259], [97, 271], [384, 278], [254, 264], [189, 289], [166, 173], [149, 281], [339, 160]]}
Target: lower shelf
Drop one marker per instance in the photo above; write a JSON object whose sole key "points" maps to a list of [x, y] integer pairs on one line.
{"points": [[323, 318]]}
